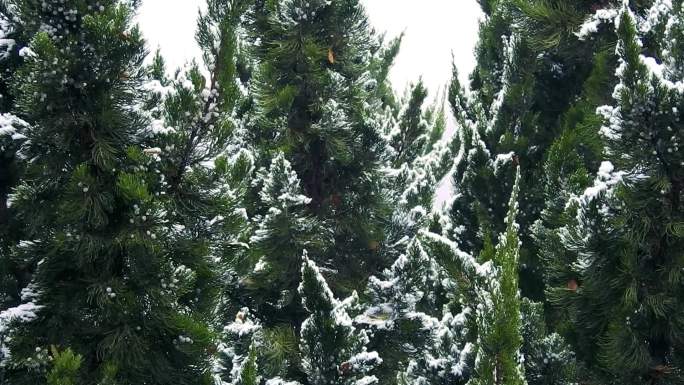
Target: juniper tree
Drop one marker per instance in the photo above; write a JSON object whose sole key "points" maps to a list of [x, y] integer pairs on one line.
{"points": [[622, 242], [108, 285], [499, 340]]}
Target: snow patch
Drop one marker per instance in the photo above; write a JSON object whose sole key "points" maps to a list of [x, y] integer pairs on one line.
{"points": [[591, 25]]}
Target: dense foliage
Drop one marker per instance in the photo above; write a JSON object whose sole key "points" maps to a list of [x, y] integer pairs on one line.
{"points": [[274, 214]]}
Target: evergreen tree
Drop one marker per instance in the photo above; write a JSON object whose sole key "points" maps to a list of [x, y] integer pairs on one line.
{"points": [[549, 359], [10, 125], [408, 138], [419, 136], [14, 275], [531, 68], [317, 101], [193, 124], [498, 357], [238, 359], [623, 243], [333, 350], [407, 306], [497, 134], [108, 285], [277, 242]]}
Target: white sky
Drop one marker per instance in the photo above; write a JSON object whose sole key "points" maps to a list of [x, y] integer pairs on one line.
{"points": [[434, 28]]}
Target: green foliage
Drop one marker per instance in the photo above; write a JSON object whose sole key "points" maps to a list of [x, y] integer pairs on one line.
{"points": [[65, 366], [108, 284], [498, 318], [616, 278], [550, 23], [549, 359], [147, 209], [248, 371], [281, 235]]}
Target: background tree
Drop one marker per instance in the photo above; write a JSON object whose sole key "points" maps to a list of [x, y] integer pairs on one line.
{"points": [[333, 350]]}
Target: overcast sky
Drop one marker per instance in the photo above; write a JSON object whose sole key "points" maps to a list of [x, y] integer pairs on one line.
{"points": [[434, 29]]}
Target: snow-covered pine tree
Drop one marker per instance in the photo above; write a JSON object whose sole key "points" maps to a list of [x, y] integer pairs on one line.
{"points": [[420, 157], [276, 245], [10, 125], [196, 123], [414, 182], [205, 175], [416, 322], [316, 100], [108, 287], [405, 324], [573, 72], [478, 340], [333, 350], [530, 69], [623, 300], [549, 358], [281, 234], [497, 133], [383, 57], [408, 137], [14, 274], [238, 360]]}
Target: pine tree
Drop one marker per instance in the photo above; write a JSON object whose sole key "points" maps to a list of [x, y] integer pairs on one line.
{"points": [[13, 274], [10, 125], [408, 138], [316, 100], [333, 350], [277, 242], [108, 285], [498, 132], [623, 241], [407, 304], [65, 368], [195, 123], [206, 177], [531, 69], [418, 135], [549, 358]]}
